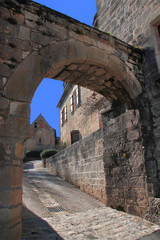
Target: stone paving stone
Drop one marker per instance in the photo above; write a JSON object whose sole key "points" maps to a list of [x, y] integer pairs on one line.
{"points": [[96, 223], [101, 223]]}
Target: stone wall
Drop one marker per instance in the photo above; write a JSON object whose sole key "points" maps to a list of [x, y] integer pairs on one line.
{"points": [[124, 162], [82, 165], [128, 20], [109, 164]]}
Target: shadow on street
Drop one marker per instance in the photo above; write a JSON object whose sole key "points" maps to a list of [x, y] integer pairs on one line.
{"points": [[35, 228]]}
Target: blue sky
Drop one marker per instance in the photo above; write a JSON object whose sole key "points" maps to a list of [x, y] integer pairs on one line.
{"points": [[49, 91]]}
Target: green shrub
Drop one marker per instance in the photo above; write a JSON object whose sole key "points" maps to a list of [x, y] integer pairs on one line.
{"points": [[33, 154], [48, 153]]}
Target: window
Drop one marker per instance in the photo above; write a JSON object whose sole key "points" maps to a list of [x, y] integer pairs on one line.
{"points": [[64, 115], [40, 140], [75, 100], [35, 125], [75, 136]]}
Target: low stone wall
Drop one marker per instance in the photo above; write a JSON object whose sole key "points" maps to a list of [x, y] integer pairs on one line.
{"points": [[82, 165], [110, 164]]}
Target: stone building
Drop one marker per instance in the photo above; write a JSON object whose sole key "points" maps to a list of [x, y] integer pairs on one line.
{"points": [[79, 112], [38, 42], [42, 135]]}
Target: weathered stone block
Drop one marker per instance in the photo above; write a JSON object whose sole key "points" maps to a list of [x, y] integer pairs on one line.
{"points": [[14, 177], [5, 70], [19, 109], [16, 232], [23, 45], [10, 217], [10, 197], [4, 216], [31, 16], [15, 215], [133, 135], [24, 33], [17, 127], [4, 233], [4, 105]]}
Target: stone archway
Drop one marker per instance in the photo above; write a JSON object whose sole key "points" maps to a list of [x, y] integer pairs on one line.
{"points": [[44, 43], [74, 62]]}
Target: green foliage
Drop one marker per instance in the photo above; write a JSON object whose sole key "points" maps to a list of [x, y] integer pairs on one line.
{"points": [[48, 153], [33, 154]]}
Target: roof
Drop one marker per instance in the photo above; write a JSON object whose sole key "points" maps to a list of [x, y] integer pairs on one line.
{"points": [[65, 93], [40, 117]]}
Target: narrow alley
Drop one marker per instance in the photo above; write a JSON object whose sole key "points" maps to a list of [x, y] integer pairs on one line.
{"points": [[55, 209]]}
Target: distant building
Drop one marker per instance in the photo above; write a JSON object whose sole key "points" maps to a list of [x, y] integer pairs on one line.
{"points": [[79, 110], [42, 135]]}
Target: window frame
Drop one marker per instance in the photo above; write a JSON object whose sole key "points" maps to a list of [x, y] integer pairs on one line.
{"points": [[63, 115], [75, 100]]}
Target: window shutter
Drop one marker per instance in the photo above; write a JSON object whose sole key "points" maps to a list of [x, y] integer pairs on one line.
{"points": [[74, 100], [71, 104], [77, 97], [65, 113]]}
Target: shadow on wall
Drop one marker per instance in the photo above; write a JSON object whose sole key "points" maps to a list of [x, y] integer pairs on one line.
{"points": [[36, 228]]}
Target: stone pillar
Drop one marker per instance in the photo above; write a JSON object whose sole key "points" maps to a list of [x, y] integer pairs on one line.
{"points": [[14, 126]]}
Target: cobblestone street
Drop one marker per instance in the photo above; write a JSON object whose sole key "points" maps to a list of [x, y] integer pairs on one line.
{"points": [[55, 209]]}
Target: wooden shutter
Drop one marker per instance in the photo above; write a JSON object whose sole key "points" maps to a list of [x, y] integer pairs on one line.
{"points": [[65, 113], [71, 104]]}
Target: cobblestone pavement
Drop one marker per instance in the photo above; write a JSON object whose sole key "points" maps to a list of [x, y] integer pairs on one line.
{"points": [[79, 216]]}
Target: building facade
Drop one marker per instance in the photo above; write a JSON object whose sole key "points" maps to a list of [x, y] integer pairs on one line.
{"points": [[79, 110], [42, 135]]}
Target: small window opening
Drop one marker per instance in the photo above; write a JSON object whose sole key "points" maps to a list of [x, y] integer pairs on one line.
{"points": [[40, 140], [75, 136], [35, 125]]}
